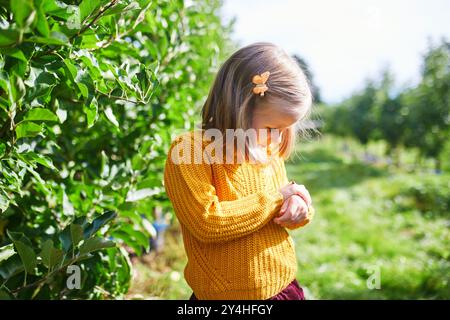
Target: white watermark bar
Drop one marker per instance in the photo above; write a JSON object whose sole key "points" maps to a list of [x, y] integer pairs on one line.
{"points": [[260, 146]]}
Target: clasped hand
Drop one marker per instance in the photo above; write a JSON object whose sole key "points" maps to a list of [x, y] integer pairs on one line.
{"points": [[295, 207]]}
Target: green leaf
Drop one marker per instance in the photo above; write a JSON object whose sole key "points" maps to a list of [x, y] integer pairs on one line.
{"points": [[51, 256], [84, 90], [87, 7], [4, 201], [15, 53], [80, 229], [85, 84], [94, 244], [40, 183], [138, 237], [46, 252], [72, 69], [22, 10], [91, 62], [20, 69], [76, 232], [27, 129], [56, 8], [98, 223], [11, 267], [26, 252], [9, 37], [41, 83], [41, 23], [17, 87], [89, 41], [5, 82], [2, 149], [65, 239], [91, 112], [6, 252], [5, 295], [127, 239], [41, 159], [111, 117], [66, 236], [40, 114], [54, 38], [123, 7]]}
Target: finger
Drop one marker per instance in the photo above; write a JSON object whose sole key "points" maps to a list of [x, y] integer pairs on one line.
{"points": [[302, 216], [302, 200], [284, 206], [307, 195], [297, 212], [287, 211], [304, 194], [302, 209], [297, 206], [284, 217], [290, 211]]}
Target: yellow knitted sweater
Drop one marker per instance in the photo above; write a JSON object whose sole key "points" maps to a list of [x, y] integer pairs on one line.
{"points": [[226, 211]]}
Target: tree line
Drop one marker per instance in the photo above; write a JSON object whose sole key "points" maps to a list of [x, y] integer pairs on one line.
{"points": [[413, 118]]}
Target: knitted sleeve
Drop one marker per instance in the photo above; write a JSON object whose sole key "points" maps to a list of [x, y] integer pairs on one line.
{"points": [[190, 189]]}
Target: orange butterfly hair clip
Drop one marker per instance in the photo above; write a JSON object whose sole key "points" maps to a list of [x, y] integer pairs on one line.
{"points": [[260, 81]]}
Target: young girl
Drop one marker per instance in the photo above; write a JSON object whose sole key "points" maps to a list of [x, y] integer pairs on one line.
{"points": [[234, 214]]}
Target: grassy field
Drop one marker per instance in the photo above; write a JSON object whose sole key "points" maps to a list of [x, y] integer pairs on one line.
{"points": [[371, 216]]}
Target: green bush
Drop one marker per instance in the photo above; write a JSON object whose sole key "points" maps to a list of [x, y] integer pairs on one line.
{"points": [[91, 94], [431, 197]]}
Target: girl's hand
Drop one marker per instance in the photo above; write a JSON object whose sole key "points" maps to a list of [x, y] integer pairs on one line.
{"points": [[293, 211], [296, 189]]}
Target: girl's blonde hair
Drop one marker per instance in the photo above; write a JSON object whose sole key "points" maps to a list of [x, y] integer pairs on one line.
{"points": [[231, 101]]}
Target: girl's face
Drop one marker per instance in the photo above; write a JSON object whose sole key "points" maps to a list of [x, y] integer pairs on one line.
{"points": [[268, 116]]}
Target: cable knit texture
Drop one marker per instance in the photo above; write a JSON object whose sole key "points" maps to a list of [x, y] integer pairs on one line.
{"points": [[226, 211]]}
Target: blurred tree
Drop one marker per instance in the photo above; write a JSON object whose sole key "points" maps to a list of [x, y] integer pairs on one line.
{"points": [[337, 120], [309, 74], [429, 105], [415, 118], [361, 113], [390, 117], [392, 123]]}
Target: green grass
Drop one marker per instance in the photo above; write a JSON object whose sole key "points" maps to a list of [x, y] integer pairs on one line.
{"points": [[364, 219], [363, 222]]}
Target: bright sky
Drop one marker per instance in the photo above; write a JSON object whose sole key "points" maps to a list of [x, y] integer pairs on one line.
{"points": [[346, 41]]}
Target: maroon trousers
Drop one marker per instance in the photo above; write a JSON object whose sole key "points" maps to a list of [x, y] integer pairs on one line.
{"points": [[292, 292]]}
